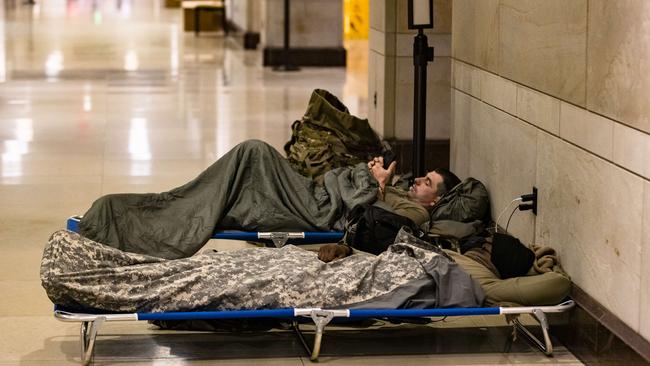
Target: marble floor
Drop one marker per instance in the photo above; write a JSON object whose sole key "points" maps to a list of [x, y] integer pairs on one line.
{"points": [[100, 97]]}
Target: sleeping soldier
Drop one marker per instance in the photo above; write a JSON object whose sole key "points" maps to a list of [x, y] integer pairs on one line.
{"points": [[252, 188], [414, 204]]}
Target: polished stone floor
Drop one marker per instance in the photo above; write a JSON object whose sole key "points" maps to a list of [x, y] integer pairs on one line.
{"points": [[112, 96]]}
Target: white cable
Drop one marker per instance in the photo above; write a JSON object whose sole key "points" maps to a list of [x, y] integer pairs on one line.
{"points": [[496, 223]]}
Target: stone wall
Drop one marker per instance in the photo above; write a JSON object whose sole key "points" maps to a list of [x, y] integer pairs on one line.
{"points": [[237, 12], [553, 94], [316, 33], [314, 23], [390, 70]]}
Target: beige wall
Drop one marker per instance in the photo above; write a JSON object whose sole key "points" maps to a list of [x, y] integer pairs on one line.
{"points": [[314, 23], [245, 14], [390, 70], [554, 93], [237, 12]]}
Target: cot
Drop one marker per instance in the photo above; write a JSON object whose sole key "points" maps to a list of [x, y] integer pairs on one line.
{"points": [[278, 239], [91, 320]]}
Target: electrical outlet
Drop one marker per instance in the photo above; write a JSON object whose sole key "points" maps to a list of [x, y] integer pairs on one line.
{"points": [[529, 201]]}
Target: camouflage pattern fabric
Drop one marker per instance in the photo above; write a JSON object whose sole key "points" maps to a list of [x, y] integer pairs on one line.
{"points": [[329, 137], [78, 272]]}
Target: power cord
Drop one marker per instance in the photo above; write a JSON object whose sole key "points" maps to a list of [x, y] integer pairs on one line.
{"points": [[509, 218], [496, 224]]}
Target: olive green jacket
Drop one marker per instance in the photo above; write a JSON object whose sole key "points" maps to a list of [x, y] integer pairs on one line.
{"points": [[467, 202]]}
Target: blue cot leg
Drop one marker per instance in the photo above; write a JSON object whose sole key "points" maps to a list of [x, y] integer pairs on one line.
{"points": [[88, 335]]}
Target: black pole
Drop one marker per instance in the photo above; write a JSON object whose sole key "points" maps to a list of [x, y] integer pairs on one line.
{"points": [[287, 26], [422, 54], [287, 62]]}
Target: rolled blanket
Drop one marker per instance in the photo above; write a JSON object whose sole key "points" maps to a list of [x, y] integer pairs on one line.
{"points": [[545, 258]]}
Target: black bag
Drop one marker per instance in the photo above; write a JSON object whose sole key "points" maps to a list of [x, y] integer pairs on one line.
{"points": [[510, 256], [373, 229]]}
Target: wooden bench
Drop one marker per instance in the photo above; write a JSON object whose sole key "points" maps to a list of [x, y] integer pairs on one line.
{"points": [[200, 6]]}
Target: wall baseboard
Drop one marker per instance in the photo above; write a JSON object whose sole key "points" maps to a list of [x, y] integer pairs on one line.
{"points": [[597, 337], [335, 56]]}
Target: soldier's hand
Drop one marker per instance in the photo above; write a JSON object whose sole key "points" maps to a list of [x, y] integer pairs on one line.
{"points": [[382, 175], [330, 252], [376, 161]]}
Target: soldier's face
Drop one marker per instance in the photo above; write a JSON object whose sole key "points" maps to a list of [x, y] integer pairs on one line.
{"points": [[425, 189]]}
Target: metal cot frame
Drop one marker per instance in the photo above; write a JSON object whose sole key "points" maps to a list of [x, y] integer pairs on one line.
{"points": [[91, 321], [279, 239]]}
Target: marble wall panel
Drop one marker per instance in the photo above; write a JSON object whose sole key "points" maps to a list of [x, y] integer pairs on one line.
{"points": [[373, 94], [503, 155], [385, 96], [645, 267], [467, 78], [586, 129], [631, 149], [542, 44], [499, 92], [539, 109], [618, 72], [590, 211], [459, 134], [238, 13], [380, 19], [377, 41], [438, 109], [308, 19], [383, 43], [475, 32], [255, 12]]}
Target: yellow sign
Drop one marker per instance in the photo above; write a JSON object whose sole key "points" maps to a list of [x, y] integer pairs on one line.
{"points": [[356, 18]]}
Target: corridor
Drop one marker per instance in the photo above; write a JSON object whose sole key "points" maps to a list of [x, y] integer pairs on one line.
{"points": [[101, 97]]}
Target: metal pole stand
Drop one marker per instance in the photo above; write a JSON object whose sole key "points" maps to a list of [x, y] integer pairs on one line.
{"points": [[287, 64], [422, 55]]}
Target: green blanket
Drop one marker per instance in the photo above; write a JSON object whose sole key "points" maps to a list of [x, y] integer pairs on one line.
{"points": [[252, 188]]}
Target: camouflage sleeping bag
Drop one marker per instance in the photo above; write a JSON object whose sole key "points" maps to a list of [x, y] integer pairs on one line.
{"points": [[78, 272]]}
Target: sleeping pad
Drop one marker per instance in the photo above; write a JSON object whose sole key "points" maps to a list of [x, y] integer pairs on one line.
{"points": [[78, 272], [252, 188]]}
